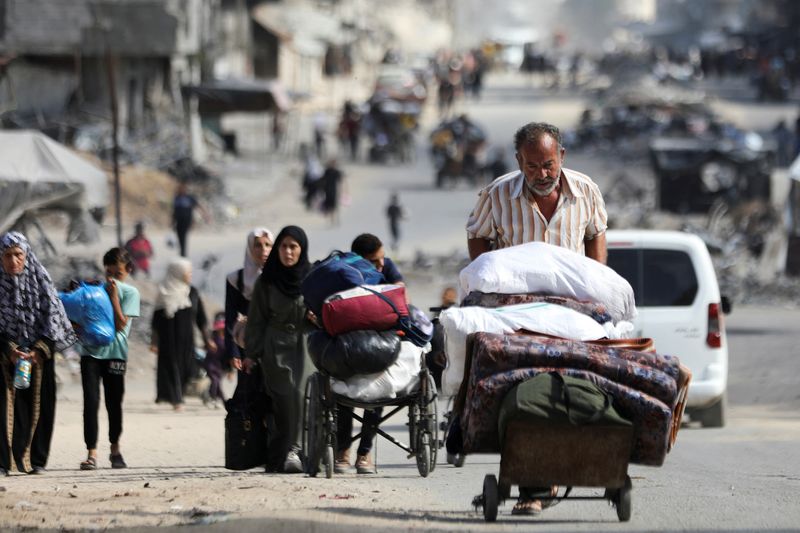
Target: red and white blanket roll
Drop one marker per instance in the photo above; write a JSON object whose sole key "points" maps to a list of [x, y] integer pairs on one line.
{"points": [[360, 308]]}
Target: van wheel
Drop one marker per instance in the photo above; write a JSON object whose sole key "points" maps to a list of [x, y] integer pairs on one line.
{"points": [[713, 416]]}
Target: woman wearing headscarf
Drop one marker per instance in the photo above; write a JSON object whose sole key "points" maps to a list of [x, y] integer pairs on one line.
{"points": [[277, 329], [33, 326], [239, 288], [178, 309]]}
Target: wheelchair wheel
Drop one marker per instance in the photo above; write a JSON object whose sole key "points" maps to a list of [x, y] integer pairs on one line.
{"points": [[313, 425], [429, 415], [329, 461], [424, 447]]}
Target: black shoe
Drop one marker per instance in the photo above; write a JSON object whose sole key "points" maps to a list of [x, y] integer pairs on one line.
{"points": [[117, 461], [37, 470], [3, 472]]}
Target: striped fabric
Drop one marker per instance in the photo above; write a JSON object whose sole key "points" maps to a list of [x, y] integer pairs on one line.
{"points": [[505, 215]]}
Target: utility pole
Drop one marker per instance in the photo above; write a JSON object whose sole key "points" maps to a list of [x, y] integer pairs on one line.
{"points": [[112, 88]]}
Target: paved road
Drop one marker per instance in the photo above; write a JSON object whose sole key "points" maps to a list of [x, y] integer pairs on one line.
{"points": [[743, 477]]}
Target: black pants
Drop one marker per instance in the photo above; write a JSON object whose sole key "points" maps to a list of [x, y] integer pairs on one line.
{"points": [[112, 374], [182, 231], [344, 428]]}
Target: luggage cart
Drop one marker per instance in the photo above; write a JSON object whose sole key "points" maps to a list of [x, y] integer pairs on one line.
{"points": [[537, 454], [319, 423]]}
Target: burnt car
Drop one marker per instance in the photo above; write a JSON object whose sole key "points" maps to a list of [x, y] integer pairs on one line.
{"points": [[692, 173]]}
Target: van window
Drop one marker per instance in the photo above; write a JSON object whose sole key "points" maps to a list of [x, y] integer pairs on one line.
{"points": [[659, 277]]}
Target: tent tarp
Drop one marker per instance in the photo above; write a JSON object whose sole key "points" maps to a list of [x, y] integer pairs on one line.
{"points": [[37, 172]]}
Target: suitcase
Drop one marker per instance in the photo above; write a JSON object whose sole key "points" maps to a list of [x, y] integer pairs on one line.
{"points": [[361, 308]]}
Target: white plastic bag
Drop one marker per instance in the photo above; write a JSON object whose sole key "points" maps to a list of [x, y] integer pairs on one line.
{"points": [[398, 380], [542, 267], [541, 317]]}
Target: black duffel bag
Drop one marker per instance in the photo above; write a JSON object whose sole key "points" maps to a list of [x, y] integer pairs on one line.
{"points": [[355, 352], [246, 424]]}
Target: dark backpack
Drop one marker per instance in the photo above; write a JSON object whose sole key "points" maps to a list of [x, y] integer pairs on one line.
{"points": [[561, 400]]}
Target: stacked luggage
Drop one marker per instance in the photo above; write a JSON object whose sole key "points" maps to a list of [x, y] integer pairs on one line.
{"points": [[544, 376], [370, 342]]}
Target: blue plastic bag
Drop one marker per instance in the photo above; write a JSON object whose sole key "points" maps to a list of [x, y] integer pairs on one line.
{"points": [[89, 306]]}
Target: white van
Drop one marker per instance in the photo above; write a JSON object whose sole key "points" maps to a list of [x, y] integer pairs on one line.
{"points": [[680, 308]]}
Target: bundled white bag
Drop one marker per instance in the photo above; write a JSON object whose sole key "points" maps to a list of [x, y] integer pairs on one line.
{"points": [[398, 380], [540, 317], [542, 267]]}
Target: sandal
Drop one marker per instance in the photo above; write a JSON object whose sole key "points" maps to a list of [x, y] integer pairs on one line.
{"points": [[117, 461], [89, 464], [527, 507], [555, 500]]}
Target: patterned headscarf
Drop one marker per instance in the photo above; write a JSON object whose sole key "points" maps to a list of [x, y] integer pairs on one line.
{"points": [[29, 305], [251, 269], [173, 291]]}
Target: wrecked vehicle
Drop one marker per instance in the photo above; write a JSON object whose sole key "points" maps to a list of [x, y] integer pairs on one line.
{"points": [[37, 174], [694, 172]]}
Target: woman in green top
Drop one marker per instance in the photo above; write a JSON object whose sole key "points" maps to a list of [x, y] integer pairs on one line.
{"points": [[278, 325]]}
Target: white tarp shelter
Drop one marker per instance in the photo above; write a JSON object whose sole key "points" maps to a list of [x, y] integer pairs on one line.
{"points": [[37, 174]]}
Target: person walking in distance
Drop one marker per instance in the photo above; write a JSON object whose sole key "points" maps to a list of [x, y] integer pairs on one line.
{"points": [[107, 364], [140, 250], [332, 183], [544, 202], [183, 207], [395, 213]]}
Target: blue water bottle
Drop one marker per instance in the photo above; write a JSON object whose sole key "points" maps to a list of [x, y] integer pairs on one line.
{"points": [[22, 375]]}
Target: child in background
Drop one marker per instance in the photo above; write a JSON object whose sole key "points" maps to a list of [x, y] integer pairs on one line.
{"points": [[213, 362], [140, 250]]}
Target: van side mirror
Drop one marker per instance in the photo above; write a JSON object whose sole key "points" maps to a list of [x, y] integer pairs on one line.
{"points": [[727, 306]]}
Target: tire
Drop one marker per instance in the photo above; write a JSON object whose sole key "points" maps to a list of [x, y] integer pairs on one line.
{"points": [[413, 426], [329, 462], [424, 454], [313, 426], [490, 498], [714, 415], [429, 416], [623, 501]]}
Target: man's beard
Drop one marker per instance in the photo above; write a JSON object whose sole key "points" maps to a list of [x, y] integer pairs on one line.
{"points": [[542, 192]]}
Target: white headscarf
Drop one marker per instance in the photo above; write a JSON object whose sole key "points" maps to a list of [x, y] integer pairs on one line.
{"points": [[173, 291], [251, 269]]}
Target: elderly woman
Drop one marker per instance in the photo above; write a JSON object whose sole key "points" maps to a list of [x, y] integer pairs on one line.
{"points": [[277, 330], [178, 308], [33, 326]]}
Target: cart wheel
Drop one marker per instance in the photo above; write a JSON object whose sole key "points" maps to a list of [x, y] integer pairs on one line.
{"points": [[623, 501], [329, 462], [424, 455], [313, 430], [490, 498]]}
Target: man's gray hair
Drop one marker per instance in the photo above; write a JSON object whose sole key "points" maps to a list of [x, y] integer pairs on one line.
{"points": [[533, 131]]}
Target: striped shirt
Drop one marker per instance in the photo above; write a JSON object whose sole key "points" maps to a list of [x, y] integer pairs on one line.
{"points": [[506, 216]]}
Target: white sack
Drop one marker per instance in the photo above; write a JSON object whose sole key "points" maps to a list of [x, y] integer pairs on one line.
{"points": [[541, 267], [398, 380], [542, 317]]}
